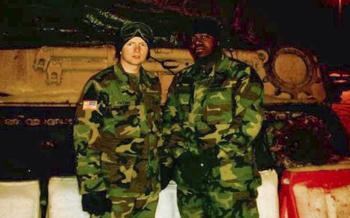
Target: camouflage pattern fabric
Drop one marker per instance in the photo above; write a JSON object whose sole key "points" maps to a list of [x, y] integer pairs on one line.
{"points": [[210, 119], [116, 137]]}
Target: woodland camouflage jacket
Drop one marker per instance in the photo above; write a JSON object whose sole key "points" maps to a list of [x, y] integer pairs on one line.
{"points": [[116, 134], [218, 108]]}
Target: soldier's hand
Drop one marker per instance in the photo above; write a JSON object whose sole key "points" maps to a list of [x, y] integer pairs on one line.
{"points": [[96, 203]]}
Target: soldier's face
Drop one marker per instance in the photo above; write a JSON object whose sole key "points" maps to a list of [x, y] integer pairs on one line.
{"points": [[203, 45], [134, 51]]}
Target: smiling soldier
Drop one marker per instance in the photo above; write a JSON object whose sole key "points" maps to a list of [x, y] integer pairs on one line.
{"points": [[212, 115]]}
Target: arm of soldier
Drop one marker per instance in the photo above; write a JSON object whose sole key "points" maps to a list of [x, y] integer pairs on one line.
{"points": [[167, 127], [247, 115], [172, 136], [175, 129], [91, 183]]}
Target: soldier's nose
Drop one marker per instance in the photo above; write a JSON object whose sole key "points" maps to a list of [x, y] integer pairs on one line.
{"points": [[137, 48]]}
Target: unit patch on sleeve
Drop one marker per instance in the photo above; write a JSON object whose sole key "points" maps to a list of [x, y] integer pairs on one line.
{"points": [[89, 105]]}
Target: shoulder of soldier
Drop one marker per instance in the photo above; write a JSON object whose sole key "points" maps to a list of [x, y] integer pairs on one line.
{"points": [[188, 69], [150, 75], [150, 78], [103, 74], [234, 68], [98, 78], [185, 74]]}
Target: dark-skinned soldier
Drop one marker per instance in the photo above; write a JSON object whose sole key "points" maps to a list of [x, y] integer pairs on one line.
{"points": [[213, 113]]}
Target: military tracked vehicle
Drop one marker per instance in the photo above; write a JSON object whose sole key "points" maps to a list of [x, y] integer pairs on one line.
{"points": [[40, 88]]}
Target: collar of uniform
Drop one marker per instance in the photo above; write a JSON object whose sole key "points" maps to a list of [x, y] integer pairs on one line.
{"points": [[211, 60], [224, 63], [120, 73], [143, 77], [123, 76], [207, 65]]}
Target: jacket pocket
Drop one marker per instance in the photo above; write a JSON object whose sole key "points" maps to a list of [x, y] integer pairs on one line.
{"points": [[119, 169], [184, 104], [218, 106]]}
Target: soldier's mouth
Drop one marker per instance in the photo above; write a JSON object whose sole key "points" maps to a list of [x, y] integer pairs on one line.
{"points": [[199, 49]]}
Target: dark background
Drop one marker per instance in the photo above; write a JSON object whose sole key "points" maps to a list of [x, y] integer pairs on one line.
{"points": [[315, 25]]}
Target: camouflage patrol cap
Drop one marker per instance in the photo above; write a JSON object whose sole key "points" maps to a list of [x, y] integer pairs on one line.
{"points": [[133, 29]]}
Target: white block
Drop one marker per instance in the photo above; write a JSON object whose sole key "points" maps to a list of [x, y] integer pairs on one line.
{"points": [[311, 202], [267, 200], [20, 199], [64, 199], [338, 203], [167, 203], [321, 203]]}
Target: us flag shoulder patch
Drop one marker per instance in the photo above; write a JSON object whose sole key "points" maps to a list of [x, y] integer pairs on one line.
{"points": [[89, 105]]}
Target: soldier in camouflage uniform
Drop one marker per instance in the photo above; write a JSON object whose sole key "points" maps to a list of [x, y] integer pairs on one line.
{"points": [[116, 133], [212, 115]]}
